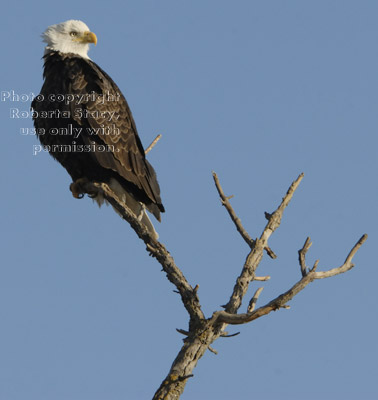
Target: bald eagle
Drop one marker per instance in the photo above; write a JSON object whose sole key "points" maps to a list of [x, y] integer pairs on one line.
{"points": [[83, 120]]}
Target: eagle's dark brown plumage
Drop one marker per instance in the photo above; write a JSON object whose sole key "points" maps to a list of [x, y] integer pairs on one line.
{"points": [[93, 114]]}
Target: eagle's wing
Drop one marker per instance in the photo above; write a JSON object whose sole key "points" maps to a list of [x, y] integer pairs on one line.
{"points": [[101, 109]]}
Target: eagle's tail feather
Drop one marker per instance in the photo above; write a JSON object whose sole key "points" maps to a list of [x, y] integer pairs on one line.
{"points": [[135, 206]]}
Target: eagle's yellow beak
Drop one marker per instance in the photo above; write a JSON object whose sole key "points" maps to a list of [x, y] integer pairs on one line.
{"points": [[88, 37]]}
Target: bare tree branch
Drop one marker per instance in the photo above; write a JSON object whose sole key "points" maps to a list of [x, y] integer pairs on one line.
{"points": [[347, 264], [253, 301], [150, 147], [302, 256], [212, 350], [224, 334], [156, 249], [261, 278], [256, 254], [235, 219], [182, 331], [280, 301], [203, 332]]}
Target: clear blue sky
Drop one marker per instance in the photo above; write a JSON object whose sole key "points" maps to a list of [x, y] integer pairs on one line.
{"points": [[258, 91]]}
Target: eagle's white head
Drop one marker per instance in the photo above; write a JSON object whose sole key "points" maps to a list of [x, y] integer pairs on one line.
{"points": [[69, 37]]}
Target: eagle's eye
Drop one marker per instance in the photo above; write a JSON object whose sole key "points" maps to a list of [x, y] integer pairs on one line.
{"points": [[73, 33]]}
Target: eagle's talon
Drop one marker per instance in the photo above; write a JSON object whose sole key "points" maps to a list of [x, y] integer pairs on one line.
{"points": [[77, 188]]}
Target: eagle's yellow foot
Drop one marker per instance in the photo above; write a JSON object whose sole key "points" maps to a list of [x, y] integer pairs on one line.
{"points": [[77, 188]]}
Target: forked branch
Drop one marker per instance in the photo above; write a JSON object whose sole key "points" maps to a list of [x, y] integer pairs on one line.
{"points": [[203, 332], [280, 301], [256, 253]]}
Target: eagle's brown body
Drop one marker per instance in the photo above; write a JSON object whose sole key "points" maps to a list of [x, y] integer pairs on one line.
{"points": [[91, 119]]}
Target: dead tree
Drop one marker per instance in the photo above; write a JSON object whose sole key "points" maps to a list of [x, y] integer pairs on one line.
{"points": [[202, 331]]}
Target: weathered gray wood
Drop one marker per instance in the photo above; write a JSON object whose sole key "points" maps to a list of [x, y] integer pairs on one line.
{"points": [[204, 331]]}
